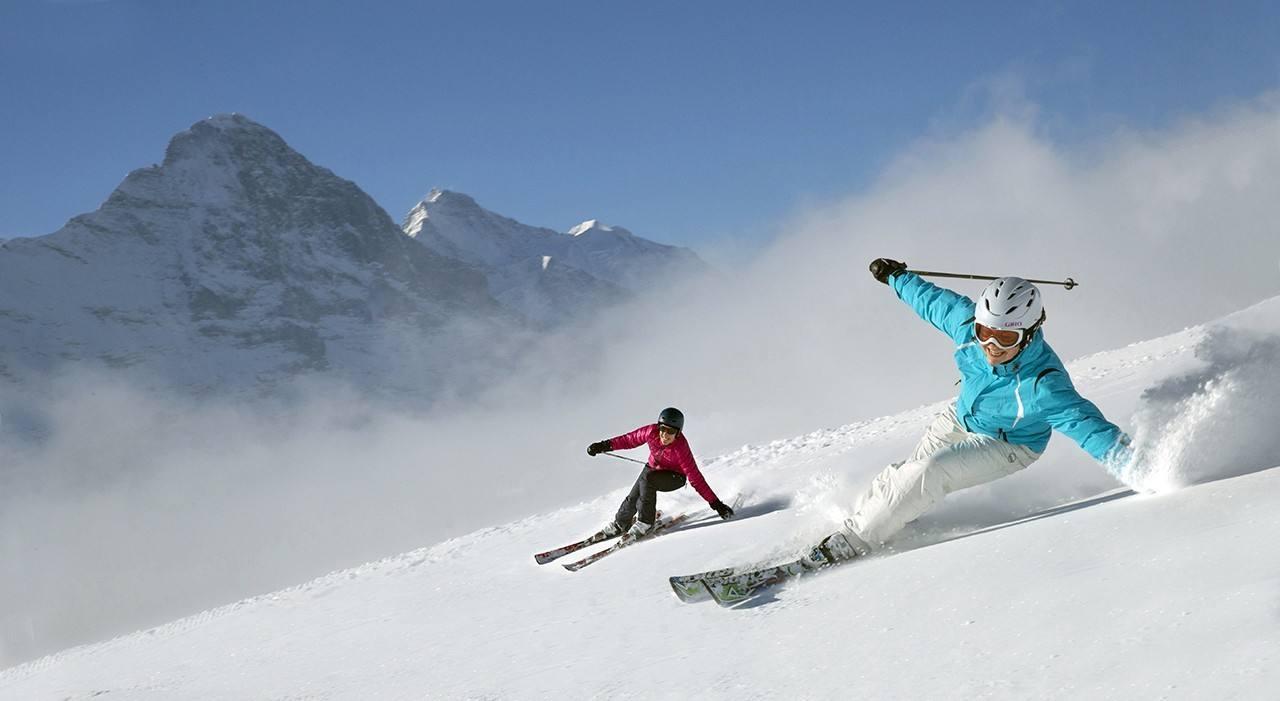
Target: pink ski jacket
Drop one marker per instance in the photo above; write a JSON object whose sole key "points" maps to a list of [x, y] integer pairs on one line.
{"points": [[674, 458]]}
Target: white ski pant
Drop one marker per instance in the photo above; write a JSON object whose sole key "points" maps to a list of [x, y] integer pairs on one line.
{"points": [[948, 458]]}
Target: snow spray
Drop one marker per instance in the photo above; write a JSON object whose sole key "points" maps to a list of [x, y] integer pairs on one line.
{"points": [[1218, 421]]}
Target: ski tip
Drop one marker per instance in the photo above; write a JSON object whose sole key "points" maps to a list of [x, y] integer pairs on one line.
{"points": [[688, 591], [697, 587]]}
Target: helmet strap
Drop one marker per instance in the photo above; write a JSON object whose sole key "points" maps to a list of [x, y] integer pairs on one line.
{"points": [[1030, 335]]}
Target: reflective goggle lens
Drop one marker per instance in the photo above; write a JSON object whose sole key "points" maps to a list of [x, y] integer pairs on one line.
{"points": [[1002, 338], [663, 428]]}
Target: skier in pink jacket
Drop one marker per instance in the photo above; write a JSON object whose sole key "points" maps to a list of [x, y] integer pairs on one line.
{"points": [[670, 466]]}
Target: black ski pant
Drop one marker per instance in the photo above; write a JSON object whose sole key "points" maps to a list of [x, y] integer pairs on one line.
{"points": [[644, 495]]}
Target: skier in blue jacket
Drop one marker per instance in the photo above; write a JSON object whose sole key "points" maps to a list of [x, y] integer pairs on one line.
{"points": [[1014, 392]]}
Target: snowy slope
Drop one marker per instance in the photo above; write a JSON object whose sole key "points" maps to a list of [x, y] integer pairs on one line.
{"points": [[1169, 594]]}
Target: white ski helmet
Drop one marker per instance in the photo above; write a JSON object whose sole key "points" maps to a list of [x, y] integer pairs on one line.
{"points": [[1010, 303]]}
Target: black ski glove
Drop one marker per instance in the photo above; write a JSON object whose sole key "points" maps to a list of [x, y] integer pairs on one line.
{"points": [[722, 508], [599, 447], [884, 268]]}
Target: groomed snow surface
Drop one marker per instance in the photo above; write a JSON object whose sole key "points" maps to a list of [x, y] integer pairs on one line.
{"points": [[1173, 593]]}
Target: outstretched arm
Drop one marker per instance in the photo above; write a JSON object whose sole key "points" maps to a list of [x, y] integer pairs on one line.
{"points": [[1081, 421], [627, 440], [634, 439], [949, 312]]}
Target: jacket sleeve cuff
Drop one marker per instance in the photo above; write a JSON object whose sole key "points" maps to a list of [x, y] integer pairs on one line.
{"points": [[1119, 459]]}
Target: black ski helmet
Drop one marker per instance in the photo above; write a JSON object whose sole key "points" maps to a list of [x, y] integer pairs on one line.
{"points": [[672, 417]]}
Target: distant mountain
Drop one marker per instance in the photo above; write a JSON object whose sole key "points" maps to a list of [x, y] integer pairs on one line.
{"points": [[544, 275], [238, 262]]}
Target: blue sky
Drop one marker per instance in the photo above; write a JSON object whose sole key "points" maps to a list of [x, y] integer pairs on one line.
{"points": [[699, 123]]}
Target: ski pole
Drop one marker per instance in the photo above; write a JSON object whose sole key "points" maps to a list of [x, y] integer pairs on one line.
{"points": [[623, 457], [1068, 283]]}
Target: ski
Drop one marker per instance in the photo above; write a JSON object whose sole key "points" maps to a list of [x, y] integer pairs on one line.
{"points": [[733, 586], [658, 528], [734, 589], [557, 553]]}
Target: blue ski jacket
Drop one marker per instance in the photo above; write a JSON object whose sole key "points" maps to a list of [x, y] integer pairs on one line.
{"points": [[1019, 401]]}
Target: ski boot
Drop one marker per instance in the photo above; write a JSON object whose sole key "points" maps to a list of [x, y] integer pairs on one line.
{"points": [[639, 529], [613, 530], [835, 548]]}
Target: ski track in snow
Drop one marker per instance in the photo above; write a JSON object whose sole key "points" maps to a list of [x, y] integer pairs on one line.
{"points": [[473, 616]]}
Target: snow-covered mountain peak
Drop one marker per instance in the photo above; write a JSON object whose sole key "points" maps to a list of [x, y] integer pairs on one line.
{"points": [[584, 227], [443, 205], [451, 209], [591, 263], [448, 198], [591, 226], [229, 161], [414, 221]]}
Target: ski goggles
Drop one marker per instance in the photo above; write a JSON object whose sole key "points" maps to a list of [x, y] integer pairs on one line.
{"points": [[1003, 339], [663, 428]]}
